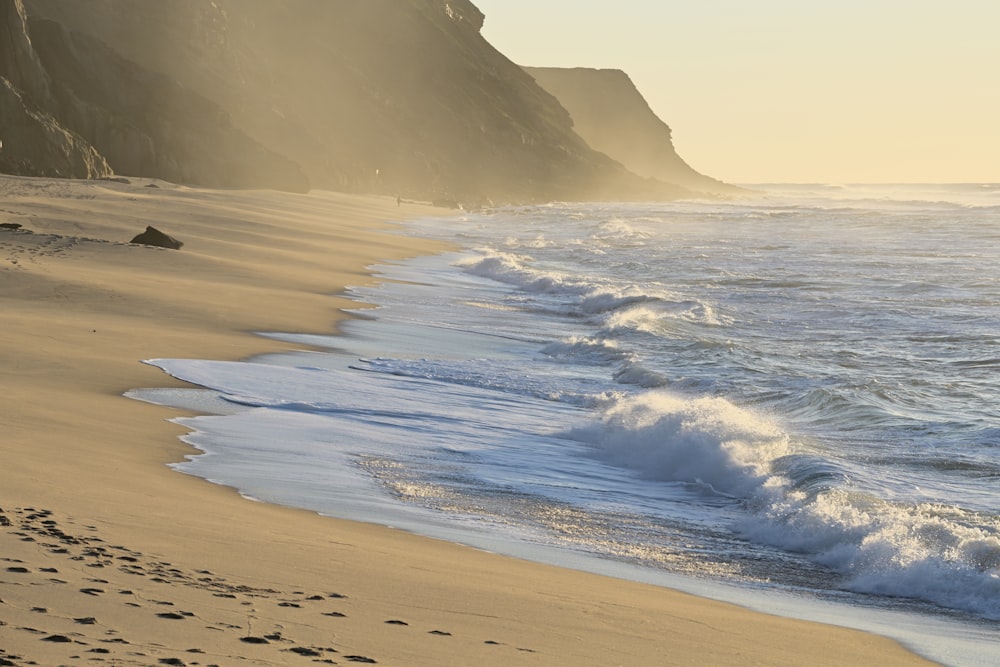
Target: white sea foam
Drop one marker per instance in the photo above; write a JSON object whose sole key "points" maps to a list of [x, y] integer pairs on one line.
{"points": [[706, 441], [940, 554], [619, 231], [515, 269], [930, 552]]}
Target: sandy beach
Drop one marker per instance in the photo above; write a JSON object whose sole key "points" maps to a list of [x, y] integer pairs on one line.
{"points": [[107, 556]]}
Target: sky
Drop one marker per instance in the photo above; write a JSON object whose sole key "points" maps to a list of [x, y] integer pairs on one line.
{"points": [[793, 91]]}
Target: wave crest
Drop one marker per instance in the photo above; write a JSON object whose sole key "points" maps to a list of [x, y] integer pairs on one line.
{"points": [[707, 441], [804, 502]]}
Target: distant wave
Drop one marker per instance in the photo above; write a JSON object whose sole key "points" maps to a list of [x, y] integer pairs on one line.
{"points": [[584, 297]]}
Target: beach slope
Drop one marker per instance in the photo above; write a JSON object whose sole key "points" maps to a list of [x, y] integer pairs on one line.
{"points": [[106, 554]]}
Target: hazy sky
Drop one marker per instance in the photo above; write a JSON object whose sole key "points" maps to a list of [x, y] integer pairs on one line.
{"points": [[791, 90]]}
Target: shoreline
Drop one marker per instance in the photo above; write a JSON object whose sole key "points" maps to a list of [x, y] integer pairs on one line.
{"points": [[210, 576]]}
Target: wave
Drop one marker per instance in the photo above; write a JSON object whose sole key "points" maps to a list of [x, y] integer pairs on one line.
{"points": [[805, 502], [652, 315], [940, 554], [617, 307], [604, 300], [515, 269], [619, 232], [633, 373], [704, 441], [587, 350]]}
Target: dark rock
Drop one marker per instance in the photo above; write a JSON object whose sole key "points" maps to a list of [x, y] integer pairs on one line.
{"points": [[254, 640], [10, 225], [154, 237]]}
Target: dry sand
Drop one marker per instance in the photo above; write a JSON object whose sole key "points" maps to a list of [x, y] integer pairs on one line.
{"points": [[110, 557]]}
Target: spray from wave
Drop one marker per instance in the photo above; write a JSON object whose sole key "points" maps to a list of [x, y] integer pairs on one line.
{"points": [[803, 502]]}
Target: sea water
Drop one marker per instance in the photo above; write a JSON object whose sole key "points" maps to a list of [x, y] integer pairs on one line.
{"points": [[789, 400]]}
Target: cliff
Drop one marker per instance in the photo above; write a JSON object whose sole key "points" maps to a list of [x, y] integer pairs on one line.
{"points": [[73, 107], [144, 123], [612, 116], [388, 96], [33, 142]]}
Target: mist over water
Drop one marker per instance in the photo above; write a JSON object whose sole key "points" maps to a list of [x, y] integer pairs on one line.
{"points": [[794, 392]]}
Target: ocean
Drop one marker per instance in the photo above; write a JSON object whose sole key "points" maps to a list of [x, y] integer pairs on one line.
{"points": [[790, 401]]}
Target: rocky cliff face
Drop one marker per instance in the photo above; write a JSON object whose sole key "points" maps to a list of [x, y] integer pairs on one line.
{"points": [[391, 96], [70, 106], [34, 141], [144, 123], [612, 116]]}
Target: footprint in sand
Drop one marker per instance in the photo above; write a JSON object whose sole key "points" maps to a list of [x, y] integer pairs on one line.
{"points": [[255, 640], [172, 616], [65, 537]]}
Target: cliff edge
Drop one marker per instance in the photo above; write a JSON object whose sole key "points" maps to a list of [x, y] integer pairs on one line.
{"points": [[612, 116]]}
